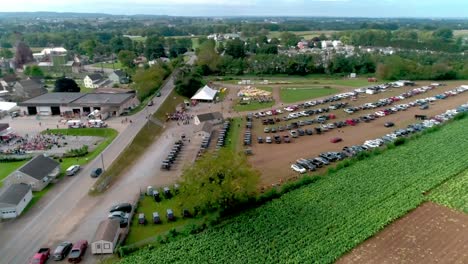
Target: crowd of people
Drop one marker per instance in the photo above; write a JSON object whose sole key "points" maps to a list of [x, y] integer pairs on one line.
{"points": [[18, 145], [181, 117]]}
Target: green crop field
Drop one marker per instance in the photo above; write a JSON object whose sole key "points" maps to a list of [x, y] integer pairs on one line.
{"points": [[291, 95], [453, 193], [320, 222]]}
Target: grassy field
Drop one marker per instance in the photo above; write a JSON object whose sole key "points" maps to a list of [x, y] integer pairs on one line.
{"points": [[195, 43], [147, 206], [106, 65], [9, 167], [147, 135], [463, 32], [327, 218], [233, 141], [291, 95], [252, 106], [453, 193], [304, 34]]}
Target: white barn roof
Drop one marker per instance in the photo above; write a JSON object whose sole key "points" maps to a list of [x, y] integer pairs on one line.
{"points": [[205, 93]]}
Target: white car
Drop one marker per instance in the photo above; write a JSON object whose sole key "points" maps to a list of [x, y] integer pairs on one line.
{"points": [[72, 170], [298, 168], [268, 113], [379, 113], [118, 214], [349, 111]]}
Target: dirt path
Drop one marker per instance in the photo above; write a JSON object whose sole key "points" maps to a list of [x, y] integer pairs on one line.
{"points": [[429, 234]]}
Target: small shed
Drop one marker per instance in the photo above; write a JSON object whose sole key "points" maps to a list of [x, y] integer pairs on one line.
{"points": [[106, 237], [14, 199]]}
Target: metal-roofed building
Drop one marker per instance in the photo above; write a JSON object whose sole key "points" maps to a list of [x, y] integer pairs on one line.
{"points": [[111, 104]]}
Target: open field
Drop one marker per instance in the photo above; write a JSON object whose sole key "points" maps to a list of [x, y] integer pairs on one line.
{"points": [[453, 193], [463, 33], [429, 234], [327, 218], [9, 167], [311, 80], [117, 65], [293, 94], [252, 106], [274, 160], [303, 34]]}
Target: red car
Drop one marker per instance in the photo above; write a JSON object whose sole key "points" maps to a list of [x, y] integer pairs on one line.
{"points": [[336, 140], [78, 251], [41, 256]]}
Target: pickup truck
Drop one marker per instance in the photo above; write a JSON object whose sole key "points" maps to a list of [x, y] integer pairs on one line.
{"points": [[41, 256]]}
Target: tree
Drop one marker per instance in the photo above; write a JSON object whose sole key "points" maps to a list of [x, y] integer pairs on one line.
{"points": [[23, 54], [188, 81], [88, 47], [126, 57], [289, 39], [66, 85], [217, 182], [154, 47], [207, 57], [34, 71], [235, 48], [147, 81], [6, 53], [444, 34]]}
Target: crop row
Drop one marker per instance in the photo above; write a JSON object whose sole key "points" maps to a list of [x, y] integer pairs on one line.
{"points": [[320, 222]]}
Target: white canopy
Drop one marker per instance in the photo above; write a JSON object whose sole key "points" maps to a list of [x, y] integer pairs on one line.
{"points": [[205, 93]]}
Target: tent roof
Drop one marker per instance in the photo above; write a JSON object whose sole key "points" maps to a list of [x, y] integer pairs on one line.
{"points": [[7, 106], [205, 93]]}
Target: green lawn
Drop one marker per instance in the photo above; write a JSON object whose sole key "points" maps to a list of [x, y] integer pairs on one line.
{"points": [[453, 193], [117, 65], [232, 141], [252, 106], [291, 95], [195, 43], [9, 167], [147, 206], [281, 79]]}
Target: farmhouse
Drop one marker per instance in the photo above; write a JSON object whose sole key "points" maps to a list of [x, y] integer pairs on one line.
{"points": [[106, 237], [37, 173], [111, 104], [14, 199], [95, 80], [214, 118], [205, 94]]}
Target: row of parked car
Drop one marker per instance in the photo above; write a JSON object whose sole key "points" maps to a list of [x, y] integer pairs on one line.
{"points": [[390, 100], [74, 252], [222, 135], [303, 165], [172, 156]]}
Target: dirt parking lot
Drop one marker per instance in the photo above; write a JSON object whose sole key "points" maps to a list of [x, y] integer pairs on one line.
{"points": [[429, 234], [274, 160]]}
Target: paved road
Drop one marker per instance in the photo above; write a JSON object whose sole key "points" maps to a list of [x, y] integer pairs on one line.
{"points": [[68, 213]]}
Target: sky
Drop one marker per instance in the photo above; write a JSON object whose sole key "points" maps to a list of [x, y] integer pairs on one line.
{"points": [[338, 8]]}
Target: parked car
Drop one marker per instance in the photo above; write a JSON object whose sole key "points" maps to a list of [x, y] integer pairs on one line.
{"points": [[156, 218], [41, 256], [389, 124], [118, 214], [170, 215], [96, 172], [336, 140], [260, 140], [298, 168], [268, 140], [141, 219], [62, 250], [78, 251], [186, 213], [293, 133], [122, 207], [72, 170], [286, 139]]}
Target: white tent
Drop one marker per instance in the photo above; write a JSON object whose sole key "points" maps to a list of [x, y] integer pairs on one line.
{"points": [[205, 94]]}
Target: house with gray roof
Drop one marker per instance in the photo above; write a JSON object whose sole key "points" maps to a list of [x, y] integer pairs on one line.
{"points": [[119, 77], [29, 88], [96, 80], [215, 118], [14, 199], [37, 173]]}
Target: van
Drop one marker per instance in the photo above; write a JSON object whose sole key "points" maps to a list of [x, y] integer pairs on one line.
{"points": [[72, 170], [96, 123], [75, 124]]}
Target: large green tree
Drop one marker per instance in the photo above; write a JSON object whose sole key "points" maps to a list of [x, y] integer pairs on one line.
{"points": [[154, 47], [126, 57], [64, 84], [235, 48], [207, 57], [218, 181], [147, 81], [34, 71], [188, 81]]}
